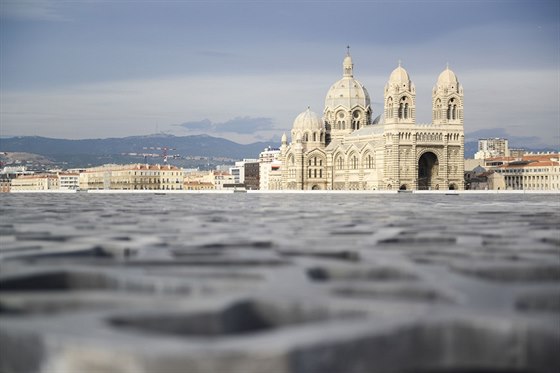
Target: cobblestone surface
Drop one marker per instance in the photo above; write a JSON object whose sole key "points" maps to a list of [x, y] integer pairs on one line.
{"points": [[248, 283]]}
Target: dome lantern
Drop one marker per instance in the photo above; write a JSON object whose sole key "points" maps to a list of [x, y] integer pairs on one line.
{"points": [[347, 65]]}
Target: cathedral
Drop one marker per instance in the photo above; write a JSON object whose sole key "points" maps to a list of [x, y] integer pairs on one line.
{"points": [[348, 150]]}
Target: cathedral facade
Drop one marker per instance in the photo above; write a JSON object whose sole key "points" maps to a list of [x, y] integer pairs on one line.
{"points": [[346, 150]]}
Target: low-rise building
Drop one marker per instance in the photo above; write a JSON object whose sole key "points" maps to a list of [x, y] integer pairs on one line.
{"points": [[481, 179], [132, 177], [69, 180], [5, 182], [269, 162], [216, 178], [270, 175], [219, 178], [34, 182], [197, 185], [16, 170], [539, 171], [517, 152]]}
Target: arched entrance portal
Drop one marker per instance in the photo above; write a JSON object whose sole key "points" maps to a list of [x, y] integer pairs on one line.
{"points": [[315, 187], [427, 171]]}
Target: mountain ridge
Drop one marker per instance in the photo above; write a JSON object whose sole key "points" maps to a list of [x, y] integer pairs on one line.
{"points": [[193, 145]]}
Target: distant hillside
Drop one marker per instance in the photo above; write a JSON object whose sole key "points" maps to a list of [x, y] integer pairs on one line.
{"points": [[200, 145], [471, 147]]}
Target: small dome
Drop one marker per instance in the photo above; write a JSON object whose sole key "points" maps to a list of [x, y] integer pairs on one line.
{"points": [[447, 78], [399, 76], [308, 121], [347, 61]]}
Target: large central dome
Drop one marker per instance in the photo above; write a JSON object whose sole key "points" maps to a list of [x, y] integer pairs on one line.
{"points": [[347, 92]]}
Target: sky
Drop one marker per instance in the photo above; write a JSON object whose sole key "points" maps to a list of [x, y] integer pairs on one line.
{"points": [[243, 70]]}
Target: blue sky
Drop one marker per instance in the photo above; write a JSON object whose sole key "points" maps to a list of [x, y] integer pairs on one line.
{"points": [[244, 70]]}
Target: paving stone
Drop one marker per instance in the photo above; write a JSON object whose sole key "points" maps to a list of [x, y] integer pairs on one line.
{"points": [[330, 283]]}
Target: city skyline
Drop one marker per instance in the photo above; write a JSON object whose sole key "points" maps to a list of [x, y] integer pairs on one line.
{"points": [[244, 70]]}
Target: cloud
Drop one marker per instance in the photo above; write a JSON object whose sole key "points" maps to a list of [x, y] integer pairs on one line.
{"points": [[239, 125], [245, 125], [204, 125], [37, 10]]}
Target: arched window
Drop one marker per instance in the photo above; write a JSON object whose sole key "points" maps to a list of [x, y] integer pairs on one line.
{"points": [[404, 105], [389, 111], [339, 163], [437, 111], [452, 109]]}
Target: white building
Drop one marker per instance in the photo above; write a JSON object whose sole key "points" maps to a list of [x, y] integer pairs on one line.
{"points": [[69, 180], [16, 170], [132, 177], [238, 171], [489, 148], [531, 172], [346, 150], [34, 182], [215, 177], [268, 162]]}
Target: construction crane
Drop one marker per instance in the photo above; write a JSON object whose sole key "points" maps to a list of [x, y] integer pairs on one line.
{"points": [[164, 151]]}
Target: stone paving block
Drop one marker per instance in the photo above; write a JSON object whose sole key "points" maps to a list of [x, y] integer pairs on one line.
{"points": [[291, 284]]}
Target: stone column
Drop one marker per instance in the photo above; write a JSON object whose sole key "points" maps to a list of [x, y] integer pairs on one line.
{"points": [[415, 166], [446, 162]]}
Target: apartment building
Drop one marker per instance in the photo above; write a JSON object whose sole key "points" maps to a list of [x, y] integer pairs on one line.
{"points": [[34, 182], [132, 177]]}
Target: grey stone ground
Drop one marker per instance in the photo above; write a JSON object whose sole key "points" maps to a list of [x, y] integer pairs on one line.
{"points": [[279, 283]]}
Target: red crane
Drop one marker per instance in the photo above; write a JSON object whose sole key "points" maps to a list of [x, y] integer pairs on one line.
{"points": [[163, 149]]}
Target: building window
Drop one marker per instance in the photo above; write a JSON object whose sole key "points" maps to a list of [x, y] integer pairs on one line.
{"points": [[339, 163]]}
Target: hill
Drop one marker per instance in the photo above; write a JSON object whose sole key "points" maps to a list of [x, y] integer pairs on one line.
{"points": [[81, 153]]}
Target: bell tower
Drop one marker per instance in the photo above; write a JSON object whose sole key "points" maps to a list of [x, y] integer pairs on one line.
{"points": [[400, 98], [447, 99]]}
